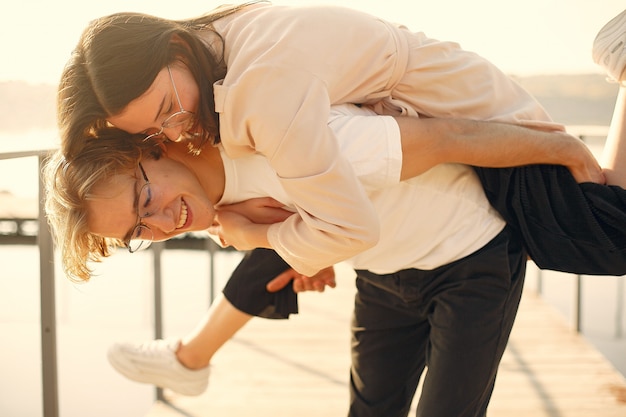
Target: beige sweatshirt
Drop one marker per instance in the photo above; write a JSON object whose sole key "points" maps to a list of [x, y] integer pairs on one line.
{"points": [[287, 65]]}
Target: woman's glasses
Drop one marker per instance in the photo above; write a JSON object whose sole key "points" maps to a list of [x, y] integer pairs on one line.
{"points": [[181, 117]]}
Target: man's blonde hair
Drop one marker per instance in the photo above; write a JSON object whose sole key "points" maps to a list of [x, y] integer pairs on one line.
{"points": [[69, 184]]}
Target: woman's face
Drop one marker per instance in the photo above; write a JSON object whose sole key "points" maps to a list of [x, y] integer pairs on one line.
{"points": [[147, 113], [174, 204]]}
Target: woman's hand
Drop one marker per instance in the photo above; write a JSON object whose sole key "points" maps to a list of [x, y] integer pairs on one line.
{"points": [[262, 210], [244, 225], [318, 282]]}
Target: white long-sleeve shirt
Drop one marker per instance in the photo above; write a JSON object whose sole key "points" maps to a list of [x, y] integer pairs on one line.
{"points": [[425, 222]]}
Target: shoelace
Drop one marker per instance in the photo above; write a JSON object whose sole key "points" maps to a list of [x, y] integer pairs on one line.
{"points": [[154, 348]]}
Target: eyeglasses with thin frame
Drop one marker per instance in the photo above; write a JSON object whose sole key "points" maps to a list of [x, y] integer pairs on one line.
{"points": [[141, 236], [181, 117]]}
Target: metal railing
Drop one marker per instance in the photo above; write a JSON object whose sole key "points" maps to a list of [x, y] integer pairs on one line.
{"points": [[49, 372], [157, 250], [577, 311]]}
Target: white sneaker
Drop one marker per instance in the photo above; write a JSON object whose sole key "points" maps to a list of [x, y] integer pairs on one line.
{"points": [[609, 48], [155, 363]]}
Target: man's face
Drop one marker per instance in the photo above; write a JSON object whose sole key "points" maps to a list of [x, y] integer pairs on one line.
{"points": [[173, 202]]}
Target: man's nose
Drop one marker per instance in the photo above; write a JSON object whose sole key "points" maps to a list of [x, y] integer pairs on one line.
{"points": [[162, 223]]}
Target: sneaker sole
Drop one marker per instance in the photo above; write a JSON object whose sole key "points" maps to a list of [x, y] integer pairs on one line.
{"points": [[607, 31], [128, 369]]}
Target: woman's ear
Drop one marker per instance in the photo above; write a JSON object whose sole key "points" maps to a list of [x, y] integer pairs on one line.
{"points": [[161, 145]]}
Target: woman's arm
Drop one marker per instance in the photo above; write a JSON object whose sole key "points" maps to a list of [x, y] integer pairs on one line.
{"points": [[244, 225], [429, 142]]}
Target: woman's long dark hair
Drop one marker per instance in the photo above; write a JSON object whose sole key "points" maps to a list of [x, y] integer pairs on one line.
{"points": [[119, 56]]}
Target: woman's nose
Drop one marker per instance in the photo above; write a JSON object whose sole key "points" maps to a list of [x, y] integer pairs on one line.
{"points": [[175, 134]]}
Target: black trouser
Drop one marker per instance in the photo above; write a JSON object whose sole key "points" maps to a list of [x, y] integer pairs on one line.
{"points": [[246, 291], [455, 320], [568, 227]]}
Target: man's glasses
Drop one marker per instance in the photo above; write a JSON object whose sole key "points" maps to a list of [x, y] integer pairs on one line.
{"points": [[181, 117], [141, 236]]}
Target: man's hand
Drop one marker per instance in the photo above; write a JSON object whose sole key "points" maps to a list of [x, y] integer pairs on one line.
{"points": [[584, 166], [301, 283]]}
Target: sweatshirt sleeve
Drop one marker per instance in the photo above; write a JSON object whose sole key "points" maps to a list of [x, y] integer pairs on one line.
{"points": [[283, 114]]}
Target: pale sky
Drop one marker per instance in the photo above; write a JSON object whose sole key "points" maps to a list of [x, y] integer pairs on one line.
{"points": [[520, 36]]}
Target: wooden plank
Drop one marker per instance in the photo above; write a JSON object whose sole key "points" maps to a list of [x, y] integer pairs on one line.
{"points": [[300, 367]]}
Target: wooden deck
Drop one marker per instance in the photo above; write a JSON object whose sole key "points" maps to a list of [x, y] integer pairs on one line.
{"points": [[300, 367]]}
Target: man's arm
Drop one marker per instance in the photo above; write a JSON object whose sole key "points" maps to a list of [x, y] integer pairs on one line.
{"points": [[429, 142]]}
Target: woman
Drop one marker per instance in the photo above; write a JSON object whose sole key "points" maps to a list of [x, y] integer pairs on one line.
{"points": [[259, 78], [367, 382]]}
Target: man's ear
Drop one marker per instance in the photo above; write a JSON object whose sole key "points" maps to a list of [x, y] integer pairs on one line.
{"points": [[157, 150]]}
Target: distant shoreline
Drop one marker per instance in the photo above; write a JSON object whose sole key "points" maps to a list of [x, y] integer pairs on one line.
{"points": [[569, 98]]}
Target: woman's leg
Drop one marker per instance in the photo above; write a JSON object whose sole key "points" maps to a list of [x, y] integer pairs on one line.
{"points": [[614, 155], [243, 297], [220, 323], [569, 227], [182, 365], [609, 52]]}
